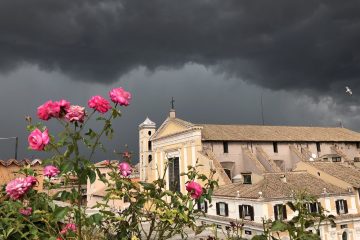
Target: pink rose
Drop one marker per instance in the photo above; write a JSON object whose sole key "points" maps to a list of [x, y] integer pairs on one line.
{"points": [[64, 107], [48, 110], [194, 189], [51, 171], [75, 113], [125, 169], [38, 140], [30, 180], [99, 103], [119, 95], [18, 187], [69, 226], [26, 211]]}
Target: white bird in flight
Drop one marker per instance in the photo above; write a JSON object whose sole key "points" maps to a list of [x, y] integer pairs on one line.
{"points": [[348, 90]]}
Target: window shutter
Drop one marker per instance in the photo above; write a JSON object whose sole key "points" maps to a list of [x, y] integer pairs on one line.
{"points": [[217, 208], [345, 206], [226, 210], [252, 213], [241, 211], [206, 206], [318, 207], [284, 212], [337, 206], [276, 212]]}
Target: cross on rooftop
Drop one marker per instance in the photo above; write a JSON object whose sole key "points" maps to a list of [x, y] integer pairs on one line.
{"points": [[172, 103]]}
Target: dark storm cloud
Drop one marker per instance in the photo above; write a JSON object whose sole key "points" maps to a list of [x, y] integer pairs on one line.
{"points": [[276, 44]]}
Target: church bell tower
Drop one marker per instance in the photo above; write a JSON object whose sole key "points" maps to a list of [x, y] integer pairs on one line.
{"points": [[146, 130]]}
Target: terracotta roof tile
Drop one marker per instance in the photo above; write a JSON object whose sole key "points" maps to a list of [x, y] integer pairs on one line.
{"points": [[341, 171], [277, 133], [272, 186]]}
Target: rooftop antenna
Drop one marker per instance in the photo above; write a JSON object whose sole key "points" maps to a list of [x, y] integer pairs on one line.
{"points": [[262, 109], [16, 144]]}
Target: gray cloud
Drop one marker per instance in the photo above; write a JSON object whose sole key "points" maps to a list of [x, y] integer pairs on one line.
{"points": [[277, 45]]}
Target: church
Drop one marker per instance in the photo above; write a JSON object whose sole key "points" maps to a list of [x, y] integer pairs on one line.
{"points": [[258, 168], [238, 153]]}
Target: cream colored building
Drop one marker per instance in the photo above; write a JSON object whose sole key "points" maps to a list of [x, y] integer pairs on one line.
{"points": [[263, 200], [97, 190], [237, 152]]}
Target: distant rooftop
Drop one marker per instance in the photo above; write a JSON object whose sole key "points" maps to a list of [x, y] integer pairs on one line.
{"points": [[277, 133], [21, 162], [341, 171], [273, 187]]}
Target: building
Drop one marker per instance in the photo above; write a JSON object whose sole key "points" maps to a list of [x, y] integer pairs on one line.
{"points": [[98, 190], [237, 152], [10, 167], [251, 203]]}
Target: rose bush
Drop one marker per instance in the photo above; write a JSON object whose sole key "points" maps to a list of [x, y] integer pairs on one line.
{"points": [[26, 213]]}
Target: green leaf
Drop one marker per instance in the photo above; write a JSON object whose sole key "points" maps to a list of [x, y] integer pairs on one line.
{"points": [[92, 176], [96, 218], [91, 133], [66, 167], [60, 213], [279, 226]]}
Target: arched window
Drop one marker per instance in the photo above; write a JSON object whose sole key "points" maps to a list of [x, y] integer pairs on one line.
{"points": [[149, 133], [149, 145], [344, 236]]}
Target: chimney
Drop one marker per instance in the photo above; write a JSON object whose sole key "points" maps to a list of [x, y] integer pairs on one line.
{"points": [[172, 113]]}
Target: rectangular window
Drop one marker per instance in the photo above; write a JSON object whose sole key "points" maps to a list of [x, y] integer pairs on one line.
{"points": [[222, 209], [226, 147], [246, 212], [318, 147], [275, 147], [149, 146], [336, 159], [247, 178], [248, 232], [203, 206], [174, 175], [280, 212], [313, 207], [358, 145], [341, 206]]}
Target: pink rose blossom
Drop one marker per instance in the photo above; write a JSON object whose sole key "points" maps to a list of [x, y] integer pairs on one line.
{"points": [[26, 211], [75, 113], [119, 95], [194, 189], [99, 103], [69, 226], [30, 180], [18, 187], [125, 169], [51, 171], [38, 140], [64, 107], [48, 110]]}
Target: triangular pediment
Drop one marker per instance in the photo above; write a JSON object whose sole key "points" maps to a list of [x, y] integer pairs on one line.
{"points": [[172, 126]]}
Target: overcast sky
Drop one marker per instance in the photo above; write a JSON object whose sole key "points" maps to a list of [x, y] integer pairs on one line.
{"points": [[216, 58]]}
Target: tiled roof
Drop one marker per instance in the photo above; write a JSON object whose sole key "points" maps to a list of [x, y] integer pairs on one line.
{"points": [[272, 186], [341, 171], [277, 133], [22, 162]]}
